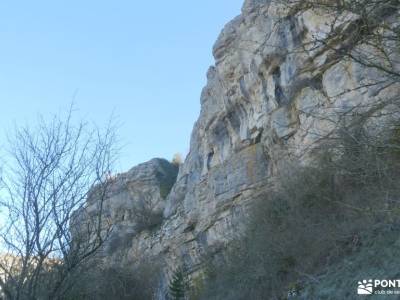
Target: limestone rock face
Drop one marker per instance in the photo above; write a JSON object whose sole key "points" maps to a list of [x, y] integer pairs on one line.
{"points": [[259, 108], [145, 185]]}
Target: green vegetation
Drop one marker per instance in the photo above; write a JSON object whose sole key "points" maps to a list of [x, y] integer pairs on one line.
{"points": [[177, 285]]}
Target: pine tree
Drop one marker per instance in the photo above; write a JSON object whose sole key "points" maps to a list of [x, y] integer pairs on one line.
{"points": [[177, 285]]}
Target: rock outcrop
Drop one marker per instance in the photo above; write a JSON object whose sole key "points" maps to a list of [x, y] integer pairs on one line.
{"points": [[268, 99], [140, 192]]}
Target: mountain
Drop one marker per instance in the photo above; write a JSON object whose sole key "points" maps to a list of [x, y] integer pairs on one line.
{"points": [[281, 82]]}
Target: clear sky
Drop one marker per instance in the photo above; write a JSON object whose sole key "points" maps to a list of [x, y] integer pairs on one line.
{"points": [[144, 60]]}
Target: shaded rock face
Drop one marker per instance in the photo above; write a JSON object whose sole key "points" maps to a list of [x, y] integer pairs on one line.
{"points": [[147, 185], [258, 110]]}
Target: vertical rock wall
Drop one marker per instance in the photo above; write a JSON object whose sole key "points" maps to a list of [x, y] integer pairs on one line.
{"points": [[258, 110]]}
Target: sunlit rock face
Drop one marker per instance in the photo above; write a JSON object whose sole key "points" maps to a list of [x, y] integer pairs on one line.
{"points": [[265, 102], [145, 185]]}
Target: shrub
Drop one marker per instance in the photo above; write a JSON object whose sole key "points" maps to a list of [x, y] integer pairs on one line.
{"points": [[177, 159], [147, 218], [316, 215], [105, 282], [146, 214]]}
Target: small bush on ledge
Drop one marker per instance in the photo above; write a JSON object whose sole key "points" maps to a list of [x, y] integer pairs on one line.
{"points": [[147, 215]]}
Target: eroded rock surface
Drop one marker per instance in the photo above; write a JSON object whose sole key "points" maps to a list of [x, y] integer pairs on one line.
{"points": [[143, 187], [265, 102]]}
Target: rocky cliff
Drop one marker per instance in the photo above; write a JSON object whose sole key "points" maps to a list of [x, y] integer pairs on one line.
{"points": [[269, 97]]}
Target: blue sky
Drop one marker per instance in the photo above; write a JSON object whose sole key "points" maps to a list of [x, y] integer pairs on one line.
{"points": [[143, 60]]}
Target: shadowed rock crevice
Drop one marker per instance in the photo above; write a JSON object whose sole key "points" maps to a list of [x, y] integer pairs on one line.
{"points": [[166, 175]]}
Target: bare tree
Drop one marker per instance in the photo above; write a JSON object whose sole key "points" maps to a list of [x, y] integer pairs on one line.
{"points": [[146, 213], [49, 172], [362, 33], [365, 32], [330, 206]]}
